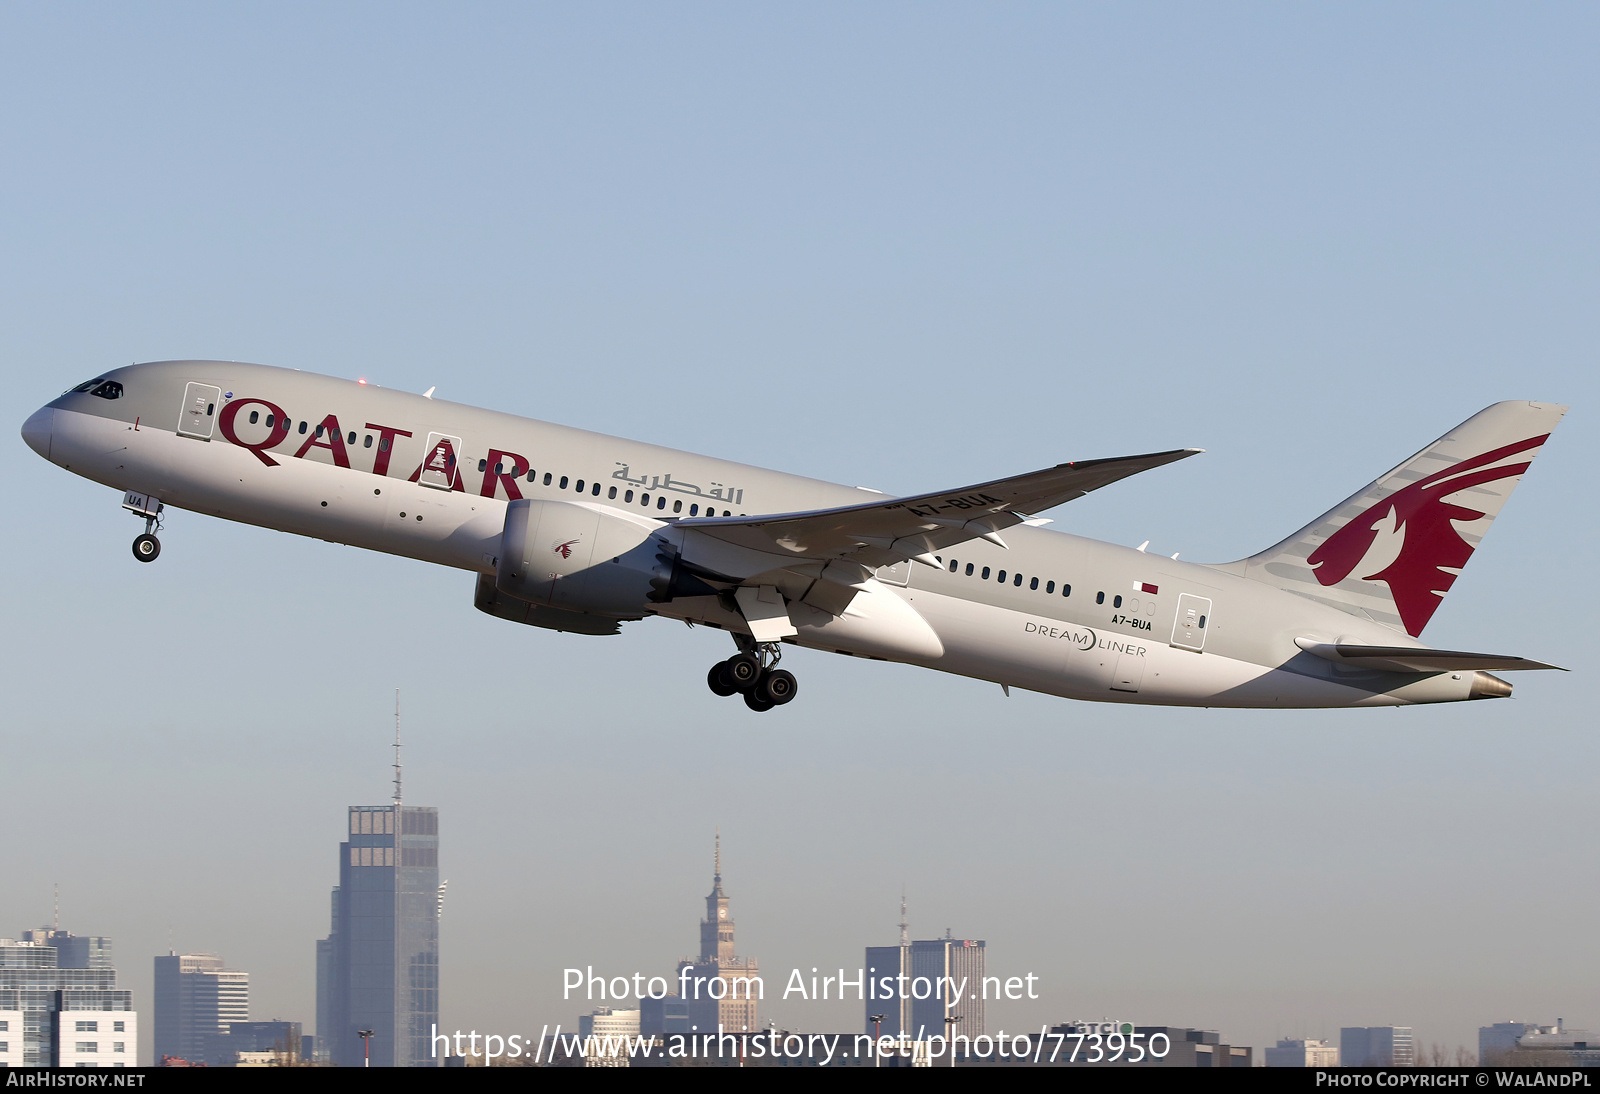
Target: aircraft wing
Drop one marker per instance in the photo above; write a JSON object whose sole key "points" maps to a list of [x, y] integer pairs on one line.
{"points": [[1413, 659], [881, 533]]}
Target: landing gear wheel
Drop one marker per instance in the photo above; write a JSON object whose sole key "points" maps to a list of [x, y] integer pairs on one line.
{"points": [[742, 671], [755, 702], [777, 687], [146, 547], [717, 680]]}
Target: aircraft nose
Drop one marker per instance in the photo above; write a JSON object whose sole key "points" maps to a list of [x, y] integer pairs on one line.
{"points": [[37, 429]]}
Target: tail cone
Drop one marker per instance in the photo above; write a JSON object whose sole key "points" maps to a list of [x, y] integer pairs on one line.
{"points": [[1486, 686]]}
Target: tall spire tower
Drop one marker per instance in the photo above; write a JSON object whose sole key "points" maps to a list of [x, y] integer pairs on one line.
{"points": [[716, 930], [731, 1004], [905, 927]]}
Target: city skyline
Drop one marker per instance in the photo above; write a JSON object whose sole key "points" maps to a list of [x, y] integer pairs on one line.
{"points": [[890, 247]]}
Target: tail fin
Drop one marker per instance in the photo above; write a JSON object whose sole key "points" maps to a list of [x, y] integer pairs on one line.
{"points": [[1393, 550]]}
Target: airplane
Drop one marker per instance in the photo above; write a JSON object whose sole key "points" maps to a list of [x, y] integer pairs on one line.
{"points": [[579, 532]]}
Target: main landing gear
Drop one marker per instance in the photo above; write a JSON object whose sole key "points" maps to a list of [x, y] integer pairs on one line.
{"points": [[753, 673]]}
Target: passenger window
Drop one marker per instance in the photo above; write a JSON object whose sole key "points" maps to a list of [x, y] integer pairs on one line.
{"points": [[677, 506], [352, 437], [644, 499], [303, 431], [694, 510], [612, 493], [319, 432], [953, 565], [1002, 577], [726, 513], [1099, 598], [383, 445], [255, 416], [1066, 590], [108, 390], [1116, 602], [547, 478], [596, 491], [1049, 586], [986, 573], [271, 420], [579, 486], [628, 496], [969, 569], [563, 482], [533, 476], [661, 502], [1203, 624], [368, 442], [483, 465], [1033, 583]]}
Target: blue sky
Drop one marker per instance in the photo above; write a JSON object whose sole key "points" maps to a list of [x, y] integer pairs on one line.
{"points": [[901, 246]]}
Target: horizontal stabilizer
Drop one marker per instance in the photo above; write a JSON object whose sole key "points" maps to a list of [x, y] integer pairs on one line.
{"points": [[882, 533], [1413, 659]]}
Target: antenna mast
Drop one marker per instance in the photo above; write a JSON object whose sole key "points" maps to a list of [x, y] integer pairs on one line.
{"points": [[905, 928], [397, 747]]}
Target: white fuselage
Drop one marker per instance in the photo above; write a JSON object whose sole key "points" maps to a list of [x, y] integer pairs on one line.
{"points": [[1080, 621]]}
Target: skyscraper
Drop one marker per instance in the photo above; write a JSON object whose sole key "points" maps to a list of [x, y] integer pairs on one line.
{"points": [[931, 980], [958, 960], [196, 998], [378, 969], [718, 988]]}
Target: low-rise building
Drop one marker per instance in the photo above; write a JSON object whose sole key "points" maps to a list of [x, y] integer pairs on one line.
{"points": [[1302, 1052]]}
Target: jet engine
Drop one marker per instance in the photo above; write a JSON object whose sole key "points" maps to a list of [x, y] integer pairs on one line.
{"points": [[589, 558]]}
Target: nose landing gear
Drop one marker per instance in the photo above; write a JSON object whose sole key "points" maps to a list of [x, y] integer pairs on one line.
{"points": [[753, 673], [146, 547]]}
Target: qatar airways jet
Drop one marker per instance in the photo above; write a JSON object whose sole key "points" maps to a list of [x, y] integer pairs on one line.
{"points": [[576, 531]]}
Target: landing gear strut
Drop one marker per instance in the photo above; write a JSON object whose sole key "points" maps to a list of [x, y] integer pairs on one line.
{"points": [[753, 673], [146, 547]]}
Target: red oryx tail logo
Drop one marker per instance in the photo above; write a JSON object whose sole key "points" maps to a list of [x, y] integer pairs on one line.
{"points": [[564, 549], [1432, 550]]}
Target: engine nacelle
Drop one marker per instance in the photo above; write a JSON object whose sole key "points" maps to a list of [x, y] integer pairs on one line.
{"points": [[582, 558]]}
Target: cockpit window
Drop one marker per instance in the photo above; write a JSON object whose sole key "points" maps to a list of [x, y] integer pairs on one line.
{"points": [[106, 389]]}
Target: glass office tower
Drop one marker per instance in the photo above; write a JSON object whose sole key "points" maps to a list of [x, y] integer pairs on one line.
{"points": [[378, 969], [49, 976], [196, 998]]}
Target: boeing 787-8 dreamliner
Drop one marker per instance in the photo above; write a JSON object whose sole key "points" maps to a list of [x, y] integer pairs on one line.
{"points": [[580, 532]]}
